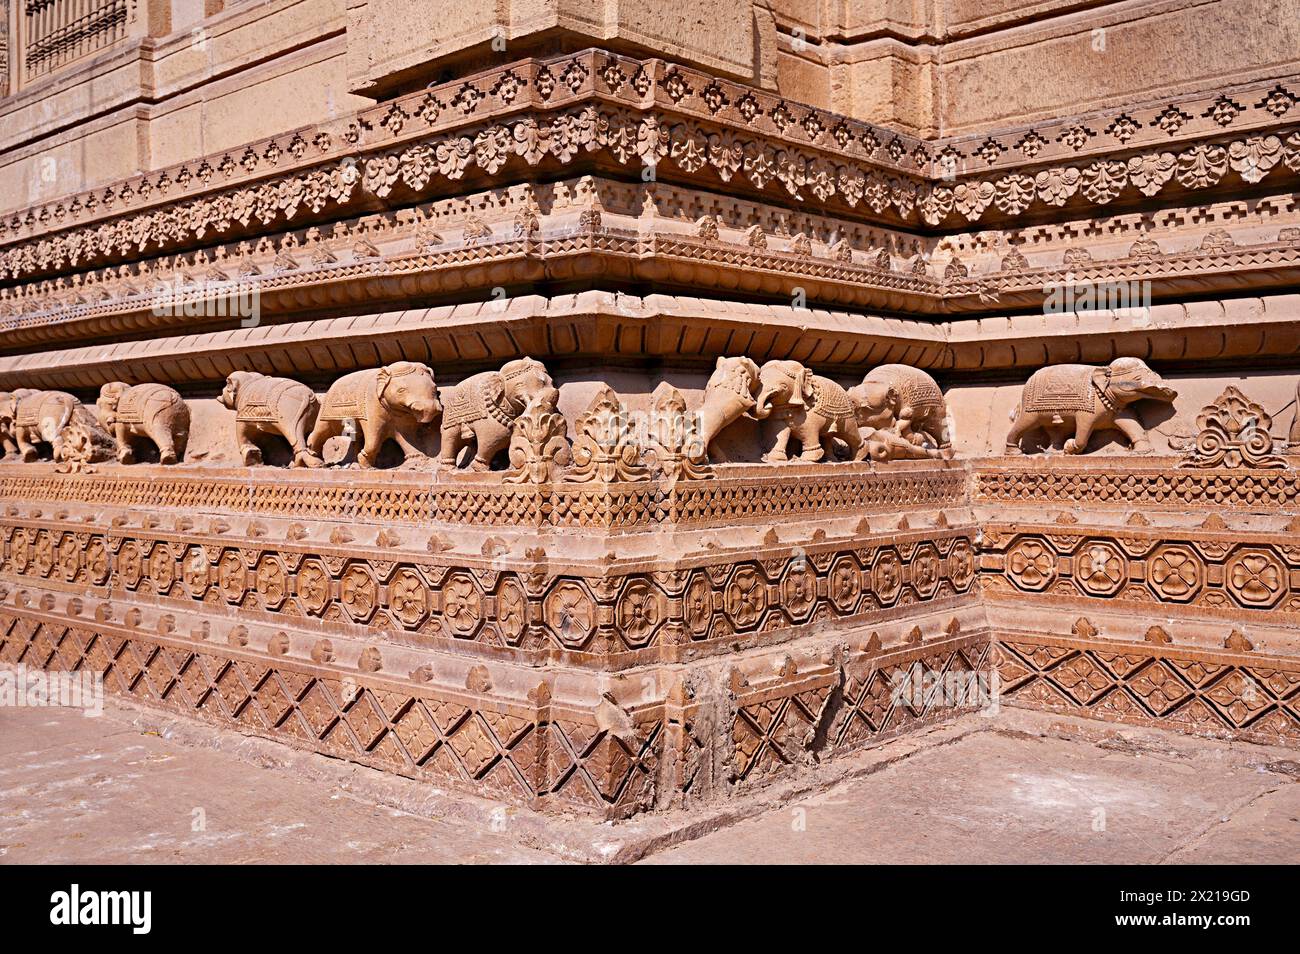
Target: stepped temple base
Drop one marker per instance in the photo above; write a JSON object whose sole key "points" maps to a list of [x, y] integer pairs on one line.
{"points": [[687, 641]]}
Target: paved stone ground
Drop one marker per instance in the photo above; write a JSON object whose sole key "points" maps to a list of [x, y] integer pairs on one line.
{"points": [[1022, 788], [98, 791], [1013, 798]]}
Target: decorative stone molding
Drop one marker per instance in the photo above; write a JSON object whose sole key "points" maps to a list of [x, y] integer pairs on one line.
{"points": [[836, 161]]}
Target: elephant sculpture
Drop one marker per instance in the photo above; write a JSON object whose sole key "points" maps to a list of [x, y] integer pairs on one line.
{"points": [[60, 420], [152, 412], [1081, 398], [8, 409], [483, 408], [266, 406], [393, 401], [904, 401], [794, 402], [728, 396]]}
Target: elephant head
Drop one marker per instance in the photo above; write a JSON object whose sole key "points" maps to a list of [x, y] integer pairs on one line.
{"points": [[877, 404], [408, 386], [1126, 380], [782, 384], [8, 406], [524, 380], [736, 377], [234, 381], [109, 395]]}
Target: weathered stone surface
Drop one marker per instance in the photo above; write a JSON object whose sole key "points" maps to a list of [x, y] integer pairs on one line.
{"points": [[614, 413]]}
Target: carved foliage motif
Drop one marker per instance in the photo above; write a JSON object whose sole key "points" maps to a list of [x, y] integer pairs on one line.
{"points": [[604, 449], [857, 162], [1233, 432]]}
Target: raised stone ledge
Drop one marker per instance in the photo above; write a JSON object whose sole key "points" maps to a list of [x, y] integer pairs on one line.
{"points": [[739, 494], [681, 328]]}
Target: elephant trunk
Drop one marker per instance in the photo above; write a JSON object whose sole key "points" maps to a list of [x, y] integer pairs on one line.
{"points": [[1159, 392], [425, 411], [763, 407]]}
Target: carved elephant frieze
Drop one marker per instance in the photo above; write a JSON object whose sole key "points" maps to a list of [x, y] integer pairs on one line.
{"points": [[1071, 402], [150, 412], [266, 406], [389, 402], [481, 410], [796, 404]]}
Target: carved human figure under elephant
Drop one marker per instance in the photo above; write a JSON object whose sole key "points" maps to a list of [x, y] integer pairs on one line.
{"points": [[896, 413]]}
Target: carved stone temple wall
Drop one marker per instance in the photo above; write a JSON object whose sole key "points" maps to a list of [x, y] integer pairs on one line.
{"points": [[616, 411]]}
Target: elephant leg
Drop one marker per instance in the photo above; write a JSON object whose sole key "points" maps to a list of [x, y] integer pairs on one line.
{"points": [[489, 438], [249, 451], [302, 454], [852, 437], [779, 451], [125, 452], [1127, 423], [863, 449], [1082, 432], [408, 448], [451, 445], [373, 437], [322, 432], [166, 443], [25, 445], [1022, 423], [1056, 435], [814, 441]]}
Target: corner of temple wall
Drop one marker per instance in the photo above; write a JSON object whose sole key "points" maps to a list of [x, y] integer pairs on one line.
{"points": [[617, 408]]}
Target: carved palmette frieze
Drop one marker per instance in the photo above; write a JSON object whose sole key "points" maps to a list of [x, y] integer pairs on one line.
{"points": [[1233, 432], [539, 445], [674, 436], [604, 443]]}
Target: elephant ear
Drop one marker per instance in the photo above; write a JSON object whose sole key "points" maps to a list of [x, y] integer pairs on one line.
{"points": [[382, 377], [230, 393], [494, 390], [802, 392], [1101, 378]]}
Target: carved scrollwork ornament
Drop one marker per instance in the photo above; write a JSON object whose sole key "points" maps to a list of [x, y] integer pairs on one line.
{"points": [[604, 448], [1233, 432]]}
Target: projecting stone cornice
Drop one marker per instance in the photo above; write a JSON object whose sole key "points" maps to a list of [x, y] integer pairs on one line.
{"points": [[457, 339], [580, 232], [597, 112]]}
